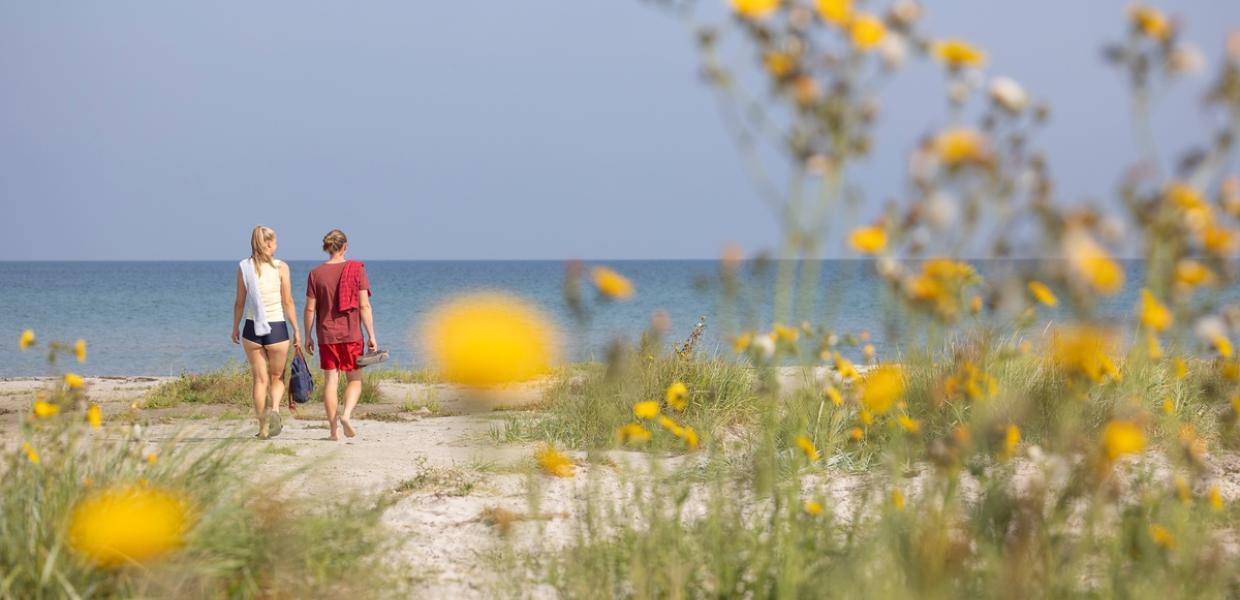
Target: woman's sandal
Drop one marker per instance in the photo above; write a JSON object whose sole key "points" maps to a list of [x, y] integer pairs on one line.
{"points": [[275, 424]]}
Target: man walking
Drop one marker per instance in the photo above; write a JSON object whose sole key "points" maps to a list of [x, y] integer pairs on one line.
{"points": [[338, 304]]}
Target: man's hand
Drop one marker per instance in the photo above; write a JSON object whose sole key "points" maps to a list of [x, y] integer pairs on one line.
{"points": [[372, 344], [310, 345]]}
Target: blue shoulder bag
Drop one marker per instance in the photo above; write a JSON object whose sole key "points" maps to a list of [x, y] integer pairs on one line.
{"points": [[300, 383]]}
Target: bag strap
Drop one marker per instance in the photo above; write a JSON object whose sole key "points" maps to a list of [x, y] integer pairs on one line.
{"points": [[288, 387]]}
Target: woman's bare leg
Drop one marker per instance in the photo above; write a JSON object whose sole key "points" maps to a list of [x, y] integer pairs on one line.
{"points": [[352, 393], [258, 367], [277, 356], [331, 379]]}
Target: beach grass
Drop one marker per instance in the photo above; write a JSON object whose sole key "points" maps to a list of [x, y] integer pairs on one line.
{"points": [[232, 386]]}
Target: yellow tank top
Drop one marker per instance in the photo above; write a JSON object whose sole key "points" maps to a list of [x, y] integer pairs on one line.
{"points": [[269, 291]]}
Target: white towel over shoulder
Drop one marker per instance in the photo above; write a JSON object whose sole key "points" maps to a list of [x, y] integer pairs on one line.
{"points": [[254, 298]]}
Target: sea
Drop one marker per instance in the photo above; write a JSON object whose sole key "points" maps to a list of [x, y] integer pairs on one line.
{"points": [[168, 318]]}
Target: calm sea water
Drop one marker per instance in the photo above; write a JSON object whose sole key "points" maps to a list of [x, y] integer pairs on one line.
{"points": [[165, 318]]}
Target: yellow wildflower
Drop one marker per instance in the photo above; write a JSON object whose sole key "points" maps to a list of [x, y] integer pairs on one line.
{"points": [[1222, 345], [489, 339], [957, 53], [690, 437], [1122, 437], [835, 12], [677, 396], [845, 368], [1152, 346], [835, 396], [1011, 440], [868, 240], [1185, 196], [1162, 536], [881, 388], [813, 507], [975, 304], [781, 333], [1179, 368], [646, 409], [741, 342], [867, 417], [961, 145], [779, 64], [911, 425], [611, 284], [1216, 498], [856, 434], [868, 350], [1092, 263], [1042, 293], [754, 9], [897, 500], [151, 459], [866, 31], [808, 448], [1154, 314], [1168, 406], [634, 433], [1191, 274], [1084, 351], [128, 524], [1182, 490], [94, 416], [1150, 22], [1219, 240], [553, 462], [26, 339], [74, 381], [32, 455], [79, 350], [44, 409]]}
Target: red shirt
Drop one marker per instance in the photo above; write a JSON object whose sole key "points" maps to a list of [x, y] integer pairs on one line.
{"points": [[332, 325]]}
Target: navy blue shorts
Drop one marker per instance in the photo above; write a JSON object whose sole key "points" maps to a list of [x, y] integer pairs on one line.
{"points": [[279, 333]]}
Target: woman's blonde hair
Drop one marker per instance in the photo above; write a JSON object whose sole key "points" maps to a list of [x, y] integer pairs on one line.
{"points": [[334, 241], [259, 240]]}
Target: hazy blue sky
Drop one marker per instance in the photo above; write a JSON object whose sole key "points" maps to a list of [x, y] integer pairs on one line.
{"points": [[536, 129]]}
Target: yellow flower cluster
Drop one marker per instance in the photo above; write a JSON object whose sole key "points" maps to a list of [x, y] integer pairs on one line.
{"points": [[611, 285], [881, 388], [130, 524], [489, 339], [1084, 351], [972, 382], [939, 285], [553, 462]]}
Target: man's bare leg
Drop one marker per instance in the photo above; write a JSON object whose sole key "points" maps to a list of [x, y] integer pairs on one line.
{"points": [[352, 393], [331, 379]]}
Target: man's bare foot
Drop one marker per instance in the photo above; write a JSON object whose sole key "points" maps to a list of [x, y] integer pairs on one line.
{"points": [[348, 428], [333, 438]]}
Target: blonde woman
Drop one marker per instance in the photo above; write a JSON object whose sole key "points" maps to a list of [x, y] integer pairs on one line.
{"points": [[266, 296]]}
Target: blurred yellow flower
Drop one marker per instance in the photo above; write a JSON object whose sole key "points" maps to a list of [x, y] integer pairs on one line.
{"points": [[128, 524], [488, 339], [151, 459], [690, 437], [1162, 536], [779, 64], [44, 409], [1084, 351], [1091, 262], [1222, 345], [813, 507], [782, 333], [677, 396], [667, 423], [897, 500], [1190, 273], [1185, 196], [1011, 440], [1150, 22], [909, 424], [74, 381], [1216, 498], [835, 12], [868, 350], [1154, 314], [26, 339], [94, 416], [807, 448], [553, 462], [975, 304], [1153, 347], [1219, 240], [611, 284], [741, 342], [32, 455], [957, 53], [79, 350], [1168, 406], [754, 8], [881, 388], [1179, 368], [867, 417], [866, 31], [1042, 293], [868, 240], [961, 145], [845, 368], [805, 89], [646, 409], [856, 434], [1122, 437], [634, 433]]}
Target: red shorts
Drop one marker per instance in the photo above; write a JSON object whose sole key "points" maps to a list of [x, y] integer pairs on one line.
{"points": [[339, 357]]}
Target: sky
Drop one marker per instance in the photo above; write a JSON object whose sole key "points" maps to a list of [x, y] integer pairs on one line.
{"points": [[543, 129]]}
